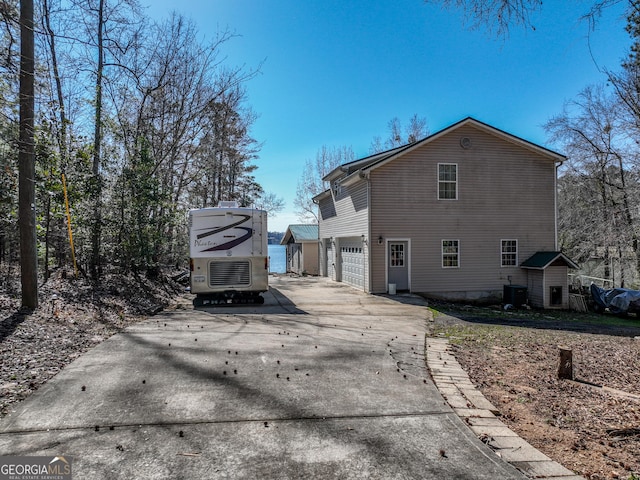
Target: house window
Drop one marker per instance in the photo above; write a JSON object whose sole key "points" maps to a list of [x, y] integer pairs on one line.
{"points": [[508, 253], [397, 254], [447, 181], [450, 253], [337, 188]]}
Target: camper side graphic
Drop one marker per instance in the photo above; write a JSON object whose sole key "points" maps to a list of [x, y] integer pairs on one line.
{"points": [[228, 240], [228, 254]]}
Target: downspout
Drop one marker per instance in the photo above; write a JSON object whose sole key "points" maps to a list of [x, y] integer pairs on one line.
{"points": [[555, 202], [322, 253], [367, 265]]}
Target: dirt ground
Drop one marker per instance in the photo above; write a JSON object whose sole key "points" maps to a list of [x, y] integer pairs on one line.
{"points": [[72, 317], [590, 425]]}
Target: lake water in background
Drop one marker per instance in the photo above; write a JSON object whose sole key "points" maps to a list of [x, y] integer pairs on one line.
{"points": [[277, 258]]}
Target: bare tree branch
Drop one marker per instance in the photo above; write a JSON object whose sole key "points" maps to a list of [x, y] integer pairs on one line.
{"points": [[500, 15]]}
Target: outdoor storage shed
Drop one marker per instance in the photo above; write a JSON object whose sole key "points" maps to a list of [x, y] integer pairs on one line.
{"points": [[302, 249], [547, 279]]}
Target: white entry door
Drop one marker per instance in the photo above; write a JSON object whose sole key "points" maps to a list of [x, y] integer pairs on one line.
{"points": [[398, 264]]}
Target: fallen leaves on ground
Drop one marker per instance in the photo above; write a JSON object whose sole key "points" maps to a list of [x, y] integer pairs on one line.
{"points": [[73, 316], [595, 433]]}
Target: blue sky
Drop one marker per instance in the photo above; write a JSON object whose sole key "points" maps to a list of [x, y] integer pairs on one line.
{"points": [[335, 72]]}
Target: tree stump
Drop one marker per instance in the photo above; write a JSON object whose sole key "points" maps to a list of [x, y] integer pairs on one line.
{"points": [[565, 369]]}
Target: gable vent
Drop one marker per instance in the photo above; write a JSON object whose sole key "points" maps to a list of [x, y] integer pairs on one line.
{"points": [[465, 142]]}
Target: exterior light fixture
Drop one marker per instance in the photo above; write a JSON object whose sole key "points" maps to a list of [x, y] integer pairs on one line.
{"points": [[380, 240]]}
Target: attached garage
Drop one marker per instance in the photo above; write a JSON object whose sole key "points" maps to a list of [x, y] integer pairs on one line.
{"points": [[352, 262]]}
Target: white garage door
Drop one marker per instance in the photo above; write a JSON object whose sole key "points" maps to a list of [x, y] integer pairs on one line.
{"points": [[352, 263]]}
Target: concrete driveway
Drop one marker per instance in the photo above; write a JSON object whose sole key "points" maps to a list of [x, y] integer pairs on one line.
{"points": [[322, 381]]}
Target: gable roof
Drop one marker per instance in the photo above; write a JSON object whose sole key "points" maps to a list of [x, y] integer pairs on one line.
{"points": [[363, 165], [300, 234], [541, 260]]}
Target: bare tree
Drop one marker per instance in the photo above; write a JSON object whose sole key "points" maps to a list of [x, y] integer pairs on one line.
{"points": [[137, 113], [108, 37], [184, 130], [311, 184], [271, 203], [60, 129], [498, 14], [9, 17], [501, 15], [626, 82], [26, 203], [599, 188], [376, 145], [416, 130], [395, 133], [9, 86]]}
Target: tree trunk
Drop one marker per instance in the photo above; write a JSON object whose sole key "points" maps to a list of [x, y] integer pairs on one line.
{"points": [[62, 136], [628, 218], [60, 246], [26, 161], [565, 367], [97, 142], [47, 236]]}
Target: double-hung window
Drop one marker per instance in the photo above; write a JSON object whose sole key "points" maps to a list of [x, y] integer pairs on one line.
{"points": [[508, 253], [447, 181], [450, 253]]}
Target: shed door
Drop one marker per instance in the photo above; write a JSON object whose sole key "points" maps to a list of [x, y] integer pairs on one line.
{"points": [[352, 262], [296, 258], [398, 264]]}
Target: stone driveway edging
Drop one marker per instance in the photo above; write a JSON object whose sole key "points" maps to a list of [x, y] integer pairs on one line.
{"points": [[482, 417]]}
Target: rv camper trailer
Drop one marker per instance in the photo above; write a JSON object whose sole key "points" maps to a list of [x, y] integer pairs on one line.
{"points": [[228, 254]]}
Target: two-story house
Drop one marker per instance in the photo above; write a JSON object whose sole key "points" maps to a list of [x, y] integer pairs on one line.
{"points": [[457, 215]]}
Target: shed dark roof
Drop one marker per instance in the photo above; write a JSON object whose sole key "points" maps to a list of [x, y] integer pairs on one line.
{"points": [[300, 233], [541, 260]]}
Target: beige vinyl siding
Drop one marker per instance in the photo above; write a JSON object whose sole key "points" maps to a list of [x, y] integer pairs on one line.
{"points": [[310, 258], [349, 222], [326, 208], [540, 283], [556, 276], [352, 214], [505, 191], [536, 288], [302, 258]]}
